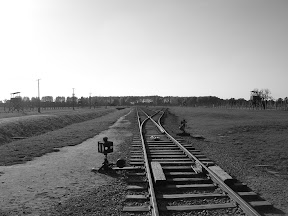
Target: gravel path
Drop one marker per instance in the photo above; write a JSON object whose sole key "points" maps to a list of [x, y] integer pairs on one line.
{"points": [[31, 188]]}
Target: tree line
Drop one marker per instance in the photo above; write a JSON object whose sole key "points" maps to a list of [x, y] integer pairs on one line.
{"points": [[259, 99]]}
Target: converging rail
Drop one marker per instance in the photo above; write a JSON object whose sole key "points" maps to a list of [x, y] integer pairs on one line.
{"points": [[170, 177]]}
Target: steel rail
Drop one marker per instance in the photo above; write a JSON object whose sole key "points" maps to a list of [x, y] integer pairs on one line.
{"points": [[248, 209], [154, 210]]}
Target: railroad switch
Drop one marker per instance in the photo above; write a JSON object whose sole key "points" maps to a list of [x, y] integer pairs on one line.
{"points": [[105, 148], [182, 127]]}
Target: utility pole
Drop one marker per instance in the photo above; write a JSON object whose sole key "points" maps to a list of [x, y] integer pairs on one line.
{"points": [[38, 97], [73, 99], [90, 100]]}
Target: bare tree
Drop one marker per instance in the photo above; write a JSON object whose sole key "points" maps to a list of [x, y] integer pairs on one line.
{"points": [[265, 95]]}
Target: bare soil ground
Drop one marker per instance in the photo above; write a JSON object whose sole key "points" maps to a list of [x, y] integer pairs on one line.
{"points": [[251, 145], [47, 182]]}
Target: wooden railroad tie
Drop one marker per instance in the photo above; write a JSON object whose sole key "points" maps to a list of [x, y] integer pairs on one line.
{"points": [[225, 177], [158, 174]]}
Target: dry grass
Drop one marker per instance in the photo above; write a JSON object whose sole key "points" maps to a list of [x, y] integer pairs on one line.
{"points": [[259, 137], [241, 140], [43, 111], [33, 124], [47, 133]]}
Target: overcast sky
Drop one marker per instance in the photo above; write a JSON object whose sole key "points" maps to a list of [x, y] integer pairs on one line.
{"points": [[222, 48]]}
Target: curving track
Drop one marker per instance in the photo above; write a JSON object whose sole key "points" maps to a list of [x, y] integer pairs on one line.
{"points": [[170, 177]]}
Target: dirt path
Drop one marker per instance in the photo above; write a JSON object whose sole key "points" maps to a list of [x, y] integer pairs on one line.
{"points": [[27, 189]]}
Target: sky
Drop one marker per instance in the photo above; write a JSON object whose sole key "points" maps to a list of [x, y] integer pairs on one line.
{"points": [[180, 48]]}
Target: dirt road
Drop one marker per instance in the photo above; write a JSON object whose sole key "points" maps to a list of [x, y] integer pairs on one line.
{"points": [[28, 189]]}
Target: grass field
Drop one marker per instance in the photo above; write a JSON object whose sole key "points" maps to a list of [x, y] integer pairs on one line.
{"points": [[49, 130], [251, 145], [60, 111], [259, 137]]}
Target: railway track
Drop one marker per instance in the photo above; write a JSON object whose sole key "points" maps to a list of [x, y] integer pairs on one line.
{"points": [[170, 177]]}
